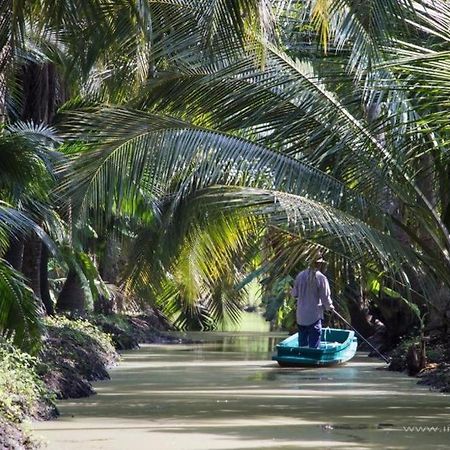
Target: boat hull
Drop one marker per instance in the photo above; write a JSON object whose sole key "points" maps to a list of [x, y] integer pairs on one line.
{"points": [[337, 347]]}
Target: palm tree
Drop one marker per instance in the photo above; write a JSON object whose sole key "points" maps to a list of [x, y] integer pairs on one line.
{"points": [[218, 108], [22, 164], [300, 152], [43, 59]]}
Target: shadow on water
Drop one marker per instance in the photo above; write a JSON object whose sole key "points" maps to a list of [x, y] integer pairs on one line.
{"points": [[225, 393]]}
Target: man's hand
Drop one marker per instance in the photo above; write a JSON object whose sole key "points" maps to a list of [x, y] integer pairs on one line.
{"points": [[331, 309]]}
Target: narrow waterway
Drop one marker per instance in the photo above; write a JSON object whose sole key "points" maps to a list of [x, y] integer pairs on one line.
{"points": [[226, 393]]}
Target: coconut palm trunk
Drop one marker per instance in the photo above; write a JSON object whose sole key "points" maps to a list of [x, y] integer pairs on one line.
{"points": [[14, 255], [31, 264], [39, 102], [44, 284], [71, 297]]}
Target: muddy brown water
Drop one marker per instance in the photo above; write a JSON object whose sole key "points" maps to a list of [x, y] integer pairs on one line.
{"points": [[225, 393]]}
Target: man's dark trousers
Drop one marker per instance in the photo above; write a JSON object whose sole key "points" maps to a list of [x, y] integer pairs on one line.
{"points": [[309, 335]]}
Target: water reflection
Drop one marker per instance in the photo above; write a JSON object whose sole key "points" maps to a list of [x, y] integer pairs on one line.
{"points": [[244, 342]]}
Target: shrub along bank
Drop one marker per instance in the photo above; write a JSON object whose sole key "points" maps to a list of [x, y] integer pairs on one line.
{"points": [[23, 396]]}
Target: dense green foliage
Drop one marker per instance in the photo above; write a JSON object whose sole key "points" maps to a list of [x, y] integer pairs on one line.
{"points": [[173, 152], [81, 331], [184, 148], [22, 392], [279, 305]]}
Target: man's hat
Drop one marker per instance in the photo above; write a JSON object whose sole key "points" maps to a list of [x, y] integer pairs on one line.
{"points": [[320, 260]]}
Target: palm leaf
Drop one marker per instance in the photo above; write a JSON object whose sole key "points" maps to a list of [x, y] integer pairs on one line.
{"points": [[150, 152], [333, 229], [20, 313]]}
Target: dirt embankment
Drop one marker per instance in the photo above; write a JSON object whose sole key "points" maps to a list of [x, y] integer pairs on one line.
{"points": [[429, 361]]}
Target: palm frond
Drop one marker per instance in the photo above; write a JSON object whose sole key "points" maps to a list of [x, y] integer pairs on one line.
{"points": [[332, 229], [363, 28], [158, 153], [14, 223], [20, 312], [301, 105], [201, 262]]}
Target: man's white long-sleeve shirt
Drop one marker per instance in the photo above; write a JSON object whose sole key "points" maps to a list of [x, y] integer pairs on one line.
{"points": [[313, 295]]}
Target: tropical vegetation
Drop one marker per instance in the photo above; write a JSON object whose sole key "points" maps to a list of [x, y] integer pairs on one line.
{"points": [[170, 153]]}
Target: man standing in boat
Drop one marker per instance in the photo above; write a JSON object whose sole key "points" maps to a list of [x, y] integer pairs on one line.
{"points": [[312, 292]]}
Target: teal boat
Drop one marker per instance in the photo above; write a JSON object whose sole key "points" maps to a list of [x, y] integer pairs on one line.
{"points": [[336, 347]]}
